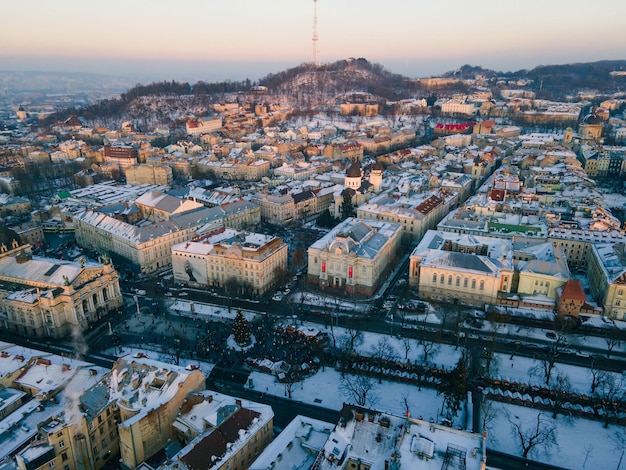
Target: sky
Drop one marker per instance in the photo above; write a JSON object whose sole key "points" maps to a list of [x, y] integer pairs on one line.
{"points": [[216, 40]]}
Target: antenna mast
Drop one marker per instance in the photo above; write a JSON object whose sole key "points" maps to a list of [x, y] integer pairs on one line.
{"points": [[316, 60]]}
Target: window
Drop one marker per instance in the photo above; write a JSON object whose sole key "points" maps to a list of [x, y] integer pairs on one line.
{"points": [[458, 281], [441, 279], [104, 443], [64, 456], [51, 464], [482, 285], [61, 443], [473, 283], [435, 277], [449, 280], [465, 282]]}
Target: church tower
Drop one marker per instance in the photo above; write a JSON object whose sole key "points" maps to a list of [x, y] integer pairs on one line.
{"points": [[376, 177]]}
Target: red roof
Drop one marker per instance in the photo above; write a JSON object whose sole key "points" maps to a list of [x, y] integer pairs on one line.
{"points": [[573, 290], [497, 195]]}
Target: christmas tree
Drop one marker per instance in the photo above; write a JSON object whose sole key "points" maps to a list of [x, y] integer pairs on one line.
{"points": [[241, 329]]}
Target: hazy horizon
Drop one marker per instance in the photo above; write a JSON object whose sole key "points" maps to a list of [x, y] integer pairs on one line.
{"points": [[216, 41], [192, 72]]}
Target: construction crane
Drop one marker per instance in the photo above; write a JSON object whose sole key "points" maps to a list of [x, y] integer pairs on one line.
{"points": [[316, 59]]}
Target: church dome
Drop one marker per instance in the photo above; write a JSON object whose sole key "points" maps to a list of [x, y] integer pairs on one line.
{"points": [[354, 170], [592, 119]]}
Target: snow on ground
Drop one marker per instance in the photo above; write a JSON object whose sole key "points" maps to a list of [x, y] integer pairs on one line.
{"points": [[575, 341], [443, 355], [325, 301], [522, 370], [208, 311], [580, 443], [324, 389]]}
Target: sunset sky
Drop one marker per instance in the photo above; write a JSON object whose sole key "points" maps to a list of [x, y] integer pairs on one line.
{"points": [[236, 39]]}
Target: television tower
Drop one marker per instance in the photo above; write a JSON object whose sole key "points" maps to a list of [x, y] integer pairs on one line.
{"points": [[316, 59]]}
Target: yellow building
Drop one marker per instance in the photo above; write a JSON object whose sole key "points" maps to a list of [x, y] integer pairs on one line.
{"points": [[416, 214], [276, 209], [44, 297], [243, 168], [591, 127], [13, 205], [606, 273], [542, 270], [350, 150], [221, 432], [355, 256], [250, 262], [461, 269], [149, 174], [149, 395], [143, 233], [577, 243]]}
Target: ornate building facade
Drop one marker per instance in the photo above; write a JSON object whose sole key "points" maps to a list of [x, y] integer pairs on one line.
{"points": [[355, 256], [45, 297]]}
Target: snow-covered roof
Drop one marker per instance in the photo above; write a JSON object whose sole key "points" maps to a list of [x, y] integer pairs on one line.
{"points": [[142, 384]]}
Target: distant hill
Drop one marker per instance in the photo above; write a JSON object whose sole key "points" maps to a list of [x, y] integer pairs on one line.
{"points": [[558, 80], [344, 76], [303, 86], [308, 86]]}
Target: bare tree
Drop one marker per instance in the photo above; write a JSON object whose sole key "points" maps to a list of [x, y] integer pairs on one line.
{"points": [[406, 342], [539, 434], [405, 404], [382, 353], [291, 378], [547, 359], [612, 338], [429, 348], [588, 450], [610, 394], [561, 387], [359, 388], [597, 376], [489, 412], [352, 339]]}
